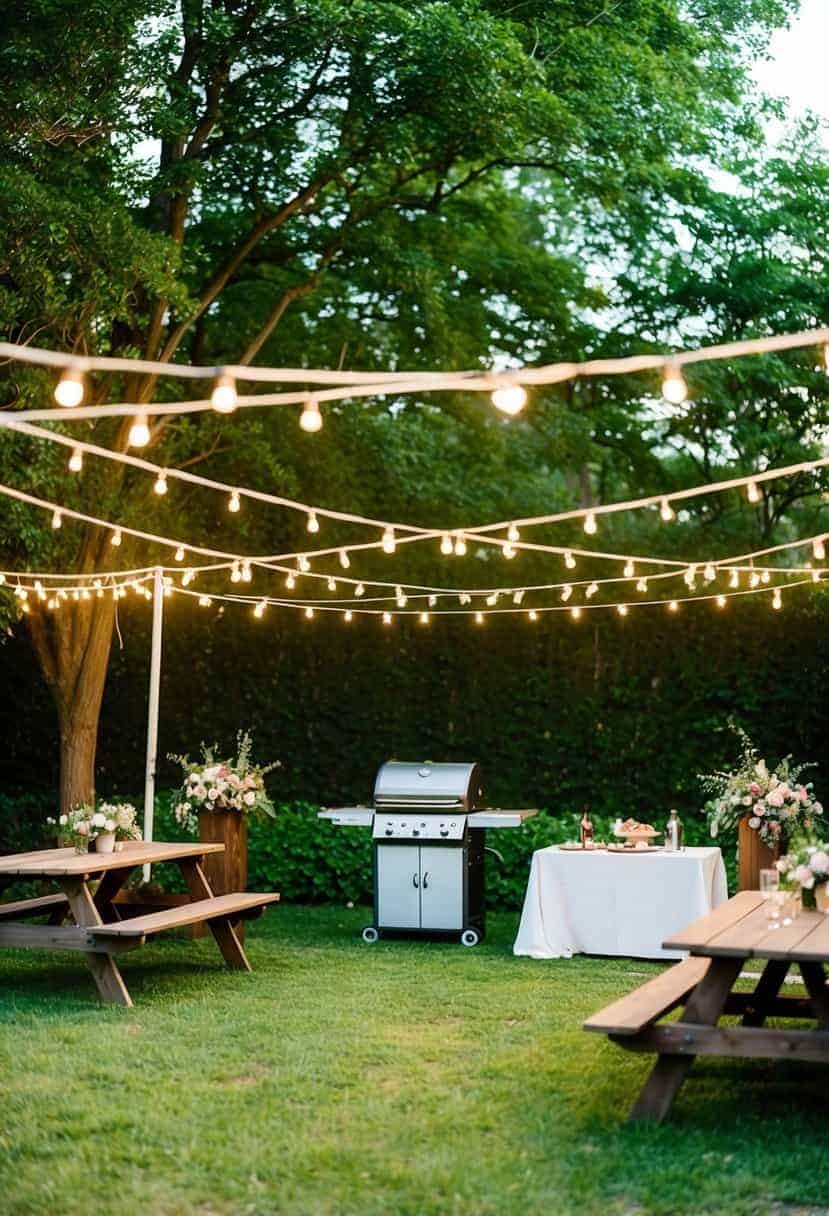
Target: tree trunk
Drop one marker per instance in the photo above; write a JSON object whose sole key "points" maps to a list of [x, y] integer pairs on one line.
{"points": [[72, 645]]}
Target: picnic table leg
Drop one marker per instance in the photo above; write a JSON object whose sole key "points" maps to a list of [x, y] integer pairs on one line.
{"points": [[704, 1007], [814, 977], [768, 986], [222, 930], [104, 969], [108, 888]]}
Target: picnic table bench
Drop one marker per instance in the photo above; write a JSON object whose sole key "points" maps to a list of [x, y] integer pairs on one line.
{"points": [[97, 931], [719, 945]]}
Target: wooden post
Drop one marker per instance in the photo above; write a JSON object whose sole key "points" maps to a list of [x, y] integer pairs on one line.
{"points": [[226, 872], [754, 855], [152, 708]]}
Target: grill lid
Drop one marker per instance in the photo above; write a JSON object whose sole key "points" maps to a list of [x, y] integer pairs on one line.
{"points": [[429, 787]]}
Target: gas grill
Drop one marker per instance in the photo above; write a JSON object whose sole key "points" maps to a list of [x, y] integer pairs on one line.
{"points": [[428, 823]]}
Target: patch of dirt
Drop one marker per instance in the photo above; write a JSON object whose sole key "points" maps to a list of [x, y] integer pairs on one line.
{"points": [[246, 1079]]}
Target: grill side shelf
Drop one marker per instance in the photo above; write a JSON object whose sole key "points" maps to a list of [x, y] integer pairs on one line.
{"points": [[499, 819], [348, 816]]}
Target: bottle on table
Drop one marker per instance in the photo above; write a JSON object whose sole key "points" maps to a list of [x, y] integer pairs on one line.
{"points": [[674, 834], [586, 828]]}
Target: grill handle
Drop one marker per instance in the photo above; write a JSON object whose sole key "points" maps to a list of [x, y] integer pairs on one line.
{"points": [[426, 880], [415, 882], [495, 853]]}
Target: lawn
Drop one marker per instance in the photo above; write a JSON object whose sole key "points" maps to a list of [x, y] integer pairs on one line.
{"points": [[402, 1078]]}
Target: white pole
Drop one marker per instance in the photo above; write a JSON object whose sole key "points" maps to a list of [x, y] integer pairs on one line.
{"points": [[152, 712]]}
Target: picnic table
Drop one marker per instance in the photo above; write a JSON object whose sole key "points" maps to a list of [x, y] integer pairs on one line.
{"points": [[97, 932], [719, 945]]}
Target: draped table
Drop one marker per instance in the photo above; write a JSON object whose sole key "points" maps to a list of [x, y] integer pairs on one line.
{"points": [[596, 902]]}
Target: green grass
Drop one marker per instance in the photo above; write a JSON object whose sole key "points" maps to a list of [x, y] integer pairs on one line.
{"points": [[403, 1078]]}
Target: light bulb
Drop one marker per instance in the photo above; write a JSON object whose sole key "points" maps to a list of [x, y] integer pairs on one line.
{"points": [[69, 389], [765, 577], [509, 398], [389, 544], [188, 577], [819, 548], [460, 545], [179, 554], [446, 546], [205, 601], [116, 537], [303, 563], [569, 560], [76, 461], [734, 580], [247, 573], [386, 618], [754, 581], [290, 582], [234, 503], [311, 419], [674, 388], [433, 599], [348, 615], [753, 492], [57, 519], [566, 592], [259, 610], [776, 600], [402, 600], [591, 590], [721, 601], [309, 612], [709, 573], [629, 569], [532, 614], [517, 597], [479, 618], [345, 560], [492, 600], [666, 511], [815, 576], [359, 589], [424, 618], [513, 534], [139, 435], [690, 575], [332, 584], [575, 612], [313, 524], [224, 398], [160, 486], [642, 585], [590, 523], [622, 609], [673, 606], [235, 573], [508, 550]]}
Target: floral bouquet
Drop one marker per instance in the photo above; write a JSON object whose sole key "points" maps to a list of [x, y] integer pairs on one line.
{"points": [[223, 785], [776, 802], [85, 824], [807, 869]]}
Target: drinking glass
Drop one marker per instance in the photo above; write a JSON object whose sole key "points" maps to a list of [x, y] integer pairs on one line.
{"points": [[772, 895]]}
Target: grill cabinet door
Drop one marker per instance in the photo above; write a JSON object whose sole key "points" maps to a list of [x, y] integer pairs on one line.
{"points": [[441, 888], [398, 886]]}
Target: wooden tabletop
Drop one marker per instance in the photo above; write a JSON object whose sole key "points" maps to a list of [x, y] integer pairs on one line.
{"points": [[740, 929], [66, 863]]}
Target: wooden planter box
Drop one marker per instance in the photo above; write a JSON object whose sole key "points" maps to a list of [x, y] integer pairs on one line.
{"points": [[754, 855], [226, 872]]}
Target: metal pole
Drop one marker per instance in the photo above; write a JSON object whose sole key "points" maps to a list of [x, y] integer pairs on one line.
{"points": [[152, 711]]}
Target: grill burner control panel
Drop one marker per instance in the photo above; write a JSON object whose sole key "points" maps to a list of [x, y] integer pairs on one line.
{"points": [[414, 826]]}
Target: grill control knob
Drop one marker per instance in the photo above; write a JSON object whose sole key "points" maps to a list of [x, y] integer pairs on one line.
{"points": [[389, 831], [415, 832], [444, 831]]}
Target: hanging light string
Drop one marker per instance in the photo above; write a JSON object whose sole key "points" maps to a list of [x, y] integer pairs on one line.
{"points": [[587, 515], [361, 384], [311, 608]]}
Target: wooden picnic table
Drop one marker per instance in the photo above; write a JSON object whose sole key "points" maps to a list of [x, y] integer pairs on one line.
{"points": [[719, 945], [97, 932]]}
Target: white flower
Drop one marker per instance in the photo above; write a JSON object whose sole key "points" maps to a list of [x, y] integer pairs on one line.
{"points": [[64, 819], [110, 825], [98, 820], [250, 798], [213, 794]]}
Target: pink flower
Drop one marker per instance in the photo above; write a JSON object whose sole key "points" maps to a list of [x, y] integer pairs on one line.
{"points": [[775, 797], [759, 809], [213, 794], [817, 807], [747, 800], [82, 829], [819, 862], [805, 877], [754, 822], [802, 796], [754, 789]]}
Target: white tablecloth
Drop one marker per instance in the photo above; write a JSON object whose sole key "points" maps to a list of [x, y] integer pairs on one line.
{"points": [[602, 903]]}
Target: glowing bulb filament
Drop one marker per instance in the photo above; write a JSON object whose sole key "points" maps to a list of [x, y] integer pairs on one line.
{"points": [[160, 486], [590, 526], [139, 435], [311, 419], [224, 397], [388, 542], [69, 389], [753, 492], [76, 461], [234, 502], [57, 520], [345, 560], [674, 388], [446, 546]]}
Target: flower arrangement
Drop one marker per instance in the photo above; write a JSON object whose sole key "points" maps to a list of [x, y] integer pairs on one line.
{"points": [[806, 869], [776, 802], [223, 785], [84, 824]]}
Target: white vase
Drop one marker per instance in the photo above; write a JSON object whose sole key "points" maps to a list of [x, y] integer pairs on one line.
{"points": [[105, 842]]}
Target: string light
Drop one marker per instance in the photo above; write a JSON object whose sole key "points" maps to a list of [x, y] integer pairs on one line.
{"points": [[765, 577], [666, 511], [205, 601], [569, 560], [753, 492], [224, 398], [709, 573], [492, 600], [622, 609], [76, 461], [424, 618], [673, 606], [348, 615], [332, 584], [566, 592], [160, 486], [815, 576], [460, 545], [513, 535], [591, 590], [359, 589], [674, 388], [235, 573], [819, 548], [116, 537], [386, 618], [734, 580], [313, 524], [532, 614], [509, 398], [303, 563], [188, 577], [754, 580], [179, 554], [642, 585], [575, 612], [402, 600], [309, 612], [433, 599], [721, 601], [247, 573], [57, 519], [389, 542], [518, 597], [345, 560], [690, 575], [629, 569], [69, 389], [446, 546], [479, 618], [311, 419], [139, 433], [290, 582], [259, 610], [508, 550], [776, 599], [234, 503], [590, 526]]}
